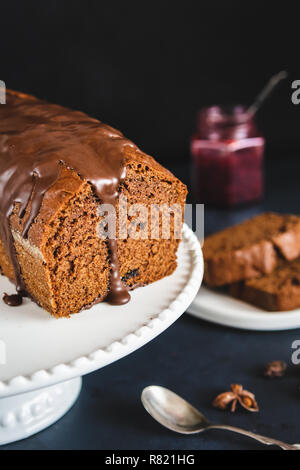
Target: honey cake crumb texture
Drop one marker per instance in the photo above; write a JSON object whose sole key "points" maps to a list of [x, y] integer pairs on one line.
{"points": [[251, 248], [278, 291]]}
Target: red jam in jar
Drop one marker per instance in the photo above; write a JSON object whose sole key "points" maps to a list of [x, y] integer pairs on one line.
{"points": [[227, 152]]}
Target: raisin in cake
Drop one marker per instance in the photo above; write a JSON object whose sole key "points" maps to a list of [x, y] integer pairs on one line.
{"points": [[56, 167]]}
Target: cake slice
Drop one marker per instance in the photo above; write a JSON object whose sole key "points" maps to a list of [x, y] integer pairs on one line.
{"points": [[251, 248], [278, 291], [57, 168]]}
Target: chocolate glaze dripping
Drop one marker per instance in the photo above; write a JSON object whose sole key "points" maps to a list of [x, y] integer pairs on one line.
{"points": [[117, 295], [36, 138]]}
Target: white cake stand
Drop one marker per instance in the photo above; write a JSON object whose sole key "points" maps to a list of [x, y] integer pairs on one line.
{"points": [[43, 358]]}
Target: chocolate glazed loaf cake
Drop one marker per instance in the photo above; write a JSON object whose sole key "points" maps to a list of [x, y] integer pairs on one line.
{"points": [[56, 167]]}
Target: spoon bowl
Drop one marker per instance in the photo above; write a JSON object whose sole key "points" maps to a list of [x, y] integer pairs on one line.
{"points": [[172, 411]]}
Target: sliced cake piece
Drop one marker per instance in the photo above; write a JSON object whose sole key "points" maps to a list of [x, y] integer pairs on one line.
{"points": [[277, 291], [251, 248]]}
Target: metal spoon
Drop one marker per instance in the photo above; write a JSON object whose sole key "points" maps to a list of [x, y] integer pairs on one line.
{"points": [[176, 414], [263, 95]]}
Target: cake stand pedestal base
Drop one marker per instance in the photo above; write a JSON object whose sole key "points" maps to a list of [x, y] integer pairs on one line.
{"points": [[28, 413]]}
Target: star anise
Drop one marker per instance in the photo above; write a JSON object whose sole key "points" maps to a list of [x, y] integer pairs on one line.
{"points": [[236, 395], [275, 369]]}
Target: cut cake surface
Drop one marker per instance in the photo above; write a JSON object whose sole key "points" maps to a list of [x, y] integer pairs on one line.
{"points": [[251, 248], [278, 291]]}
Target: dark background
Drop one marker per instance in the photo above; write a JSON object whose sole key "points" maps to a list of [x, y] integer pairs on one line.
{"points": [[147, 67]]}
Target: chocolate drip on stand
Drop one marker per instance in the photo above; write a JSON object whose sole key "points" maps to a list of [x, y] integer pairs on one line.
{"points": [[13, 300]]}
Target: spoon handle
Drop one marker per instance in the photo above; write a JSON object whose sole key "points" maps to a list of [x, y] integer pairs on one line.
{"points": [[272, 83], [258, 437]]}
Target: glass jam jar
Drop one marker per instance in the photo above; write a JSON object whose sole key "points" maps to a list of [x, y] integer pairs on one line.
{"points": [[227, 152]]}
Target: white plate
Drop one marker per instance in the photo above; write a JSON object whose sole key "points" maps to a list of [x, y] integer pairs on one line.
{"points": [[42, 350], [218, 307]]}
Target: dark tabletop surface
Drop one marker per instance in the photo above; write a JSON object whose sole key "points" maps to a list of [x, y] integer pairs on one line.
{"points": [[196, 359]]}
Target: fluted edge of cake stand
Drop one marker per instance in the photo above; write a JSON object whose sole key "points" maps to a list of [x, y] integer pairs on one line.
{"points": [[118, 349]]}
